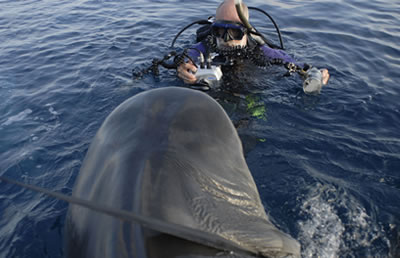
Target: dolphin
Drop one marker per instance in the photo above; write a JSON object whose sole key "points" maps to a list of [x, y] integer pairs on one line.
{"points": [[171, 154]]}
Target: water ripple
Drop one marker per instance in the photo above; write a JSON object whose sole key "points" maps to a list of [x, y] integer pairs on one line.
{"points": [[326, 166]]}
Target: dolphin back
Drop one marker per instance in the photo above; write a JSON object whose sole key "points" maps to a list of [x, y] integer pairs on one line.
{"points": [[171, 154]]}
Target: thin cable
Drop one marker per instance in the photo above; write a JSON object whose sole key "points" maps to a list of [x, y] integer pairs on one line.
{"points": [[180, 231], [186, 27], [272, 20]]}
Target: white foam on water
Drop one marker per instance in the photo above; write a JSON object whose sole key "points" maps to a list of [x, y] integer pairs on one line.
{"points": [[327, 233], [321, 234], [18, 117], [52, 110]]}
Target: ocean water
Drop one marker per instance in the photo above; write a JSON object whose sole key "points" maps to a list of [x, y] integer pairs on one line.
{"points": [[327, 167]]}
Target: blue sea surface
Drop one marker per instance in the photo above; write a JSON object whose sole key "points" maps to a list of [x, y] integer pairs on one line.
{"points": [[327, 167]]}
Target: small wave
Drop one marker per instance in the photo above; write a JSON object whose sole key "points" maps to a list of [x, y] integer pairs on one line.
{"points": [[19, 117], [52, 110]]}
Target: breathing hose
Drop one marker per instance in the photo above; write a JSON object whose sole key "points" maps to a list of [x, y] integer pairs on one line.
{"points": [[201, 22]]}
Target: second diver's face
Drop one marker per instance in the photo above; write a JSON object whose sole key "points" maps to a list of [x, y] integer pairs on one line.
{"points": [[231, 43]]}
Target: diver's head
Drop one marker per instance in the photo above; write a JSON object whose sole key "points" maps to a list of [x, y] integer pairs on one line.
{"points": [[233, 33]]}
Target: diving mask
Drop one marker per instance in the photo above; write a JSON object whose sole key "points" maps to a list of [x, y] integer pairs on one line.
{"points": [[228, 30]]}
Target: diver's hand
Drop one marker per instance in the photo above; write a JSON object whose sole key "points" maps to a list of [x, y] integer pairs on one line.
{"points": [[325, 76], [186, 72]]}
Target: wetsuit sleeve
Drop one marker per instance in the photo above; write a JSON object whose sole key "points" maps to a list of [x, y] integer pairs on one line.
{"points": [[279, 55], [194, 51]]}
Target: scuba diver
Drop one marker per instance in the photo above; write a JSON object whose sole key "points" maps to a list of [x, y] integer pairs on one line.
{"points": [[230, 40]]}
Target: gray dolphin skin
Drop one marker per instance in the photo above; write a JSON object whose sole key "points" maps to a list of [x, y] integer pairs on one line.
{"points": [[170, 154]]}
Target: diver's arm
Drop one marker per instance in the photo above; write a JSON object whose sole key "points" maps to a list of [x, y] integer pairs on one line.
{"points": [[281, 57], [194, 51], [278, 56]]}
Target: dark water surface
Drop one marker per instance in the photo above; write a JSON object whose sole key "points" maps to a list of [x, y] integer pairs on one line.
{"points": [[327, 167]]}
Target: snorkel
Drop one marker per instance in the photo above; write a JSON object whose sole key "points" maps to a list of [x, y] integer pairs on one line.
{"points": [[246, 23], [257, 36], [243, 19]]}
